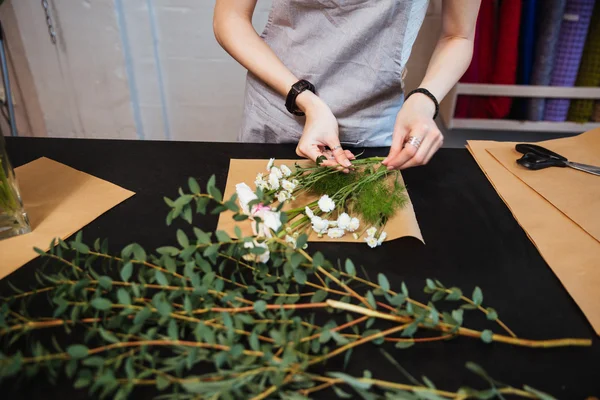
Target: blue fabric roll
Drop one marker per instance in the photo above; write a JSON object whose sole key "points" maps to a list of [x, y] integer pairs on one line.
{"points": [[573, 32], [551, 13], [528, 19]]}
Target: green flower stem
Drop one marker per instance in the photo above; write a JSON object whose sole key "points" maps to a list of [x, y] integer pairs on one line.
{"points": [[8, 199]]}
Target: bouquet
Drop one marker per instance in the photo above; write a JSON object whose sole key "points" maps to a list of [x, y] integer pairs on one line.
{"points": [[359, 203]]}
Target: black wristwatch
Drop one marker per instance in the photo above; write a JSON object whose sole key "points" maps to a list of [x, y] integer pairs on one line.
{"points": [[297, 88]]}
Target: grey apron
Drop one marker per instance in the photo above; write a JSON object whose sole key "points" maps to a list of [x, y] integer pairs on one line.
{"points": [[353, 51]]}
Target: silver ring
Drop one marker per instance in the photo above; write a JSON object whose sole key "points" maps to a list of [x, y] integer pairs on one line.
{"points": [[336, 147], [414, 141]]}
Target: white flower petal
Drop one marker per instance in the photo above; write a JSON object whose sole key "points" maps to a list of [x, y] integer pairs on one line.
{"points": [[290, 240], [371, 241], [335, 233], [309, 212], [343, 221], [353, 225], [286, 171], [270, 164], [273, 181], [245, 196], [326, 204], [287, 185], [272, 220], [320, 225], [277, 172], [382, 238], [371, 231], [263, 258], [283, 196]]}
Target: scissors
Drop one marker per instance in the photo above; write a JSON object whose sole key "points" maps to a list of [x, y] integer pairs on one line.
{"points": [[537, 157]]}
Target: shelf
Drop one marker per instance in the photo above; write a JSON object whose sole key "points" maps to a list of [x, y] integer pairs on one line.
{"points": [[512, 125], [477, 89], [447, 107]]}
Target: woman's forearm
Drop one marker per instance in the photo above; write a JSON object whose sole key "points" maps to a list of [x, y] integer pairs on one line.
{"points": [[454, 50], [234, 31], [448, 63]]}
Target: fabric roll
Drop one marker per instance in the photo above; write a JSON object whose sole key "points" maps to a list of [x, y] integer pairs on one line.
{"points": [[526, 52], [550, 18], [589, 71], [573, 31], [527, 42], [480, 69], [596, 115], [505, 59]]}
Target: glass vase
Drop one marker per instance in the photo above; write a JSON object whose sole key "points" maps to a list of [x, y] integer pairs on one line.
{"points": [[13, 218]]}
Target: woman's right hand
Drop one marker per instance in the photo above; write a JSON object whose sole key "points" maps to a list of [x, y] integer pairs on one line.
{"points": [[321, 134]]}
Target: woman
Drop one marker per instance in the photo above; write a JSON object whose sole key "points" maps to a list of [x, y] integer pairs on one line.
{"points": [[353, 52]]}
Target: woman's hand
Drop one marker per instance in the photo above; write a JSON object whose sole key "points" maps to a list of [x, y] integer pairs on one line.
{"points": [[414, 121], [321, 135]]}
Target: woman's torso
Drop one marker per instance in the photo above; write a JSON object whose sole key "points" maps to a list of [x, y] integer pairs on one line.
{"points": [[353, 51]]}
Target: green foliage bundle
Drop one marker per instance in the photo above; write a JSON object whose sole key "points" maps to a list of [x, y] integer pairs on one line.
{"points": [[220, 317]]}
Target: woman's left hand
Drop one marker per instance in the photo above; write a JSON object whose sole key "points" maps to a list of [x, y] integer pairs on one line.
{"points": [[416, 136]]}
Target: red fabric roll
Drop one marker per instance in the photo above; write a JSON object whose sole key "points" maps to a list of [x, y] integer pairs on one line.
{"points": [[502, 63]]}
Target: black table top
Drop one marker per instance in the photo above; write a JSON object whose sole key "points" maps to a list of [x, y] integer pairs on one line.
{"points": [[471, 240]]}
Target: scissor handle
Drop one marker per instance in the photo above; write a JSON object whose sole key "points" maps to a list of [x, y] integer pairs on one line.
{"points": [[535, 162], [539, 151]]}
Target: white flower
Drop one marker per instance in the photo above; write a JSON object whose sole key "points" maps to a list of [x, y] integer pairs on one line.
{"points": [[245, 196], [309, 212], [371, 241], [355, 236], [287, 185], [371, 231], [263, 258], [381, 238], [353, 225], [272, 220], [320, 225], [283, 196], [277, 172], [296, 182], [290, 240], [335, 233], [270, 164], [326, 204], [286, 171], [333, 224], [273, 181], [343, 221]]}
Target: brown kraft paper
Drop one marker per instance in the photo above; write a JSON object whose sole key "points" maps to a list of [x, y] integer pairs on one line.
{"points": [[59, 201], [404, 223], [571, 253]]}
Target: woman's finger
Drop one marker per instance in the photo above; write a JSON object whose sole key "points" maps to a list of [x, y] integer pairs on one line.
{"points": [[311, 151], [338, 152], [409, 150], [420, 156], [397, 145]]}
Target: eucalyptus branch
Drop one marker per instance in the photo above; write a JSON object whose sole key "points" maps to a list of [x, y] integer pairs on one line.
{"points": [[245, 312]]}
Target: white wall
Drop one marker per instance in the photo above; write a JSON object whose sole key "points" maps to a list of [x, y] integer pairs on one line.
{"points": [[147, 69]]}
